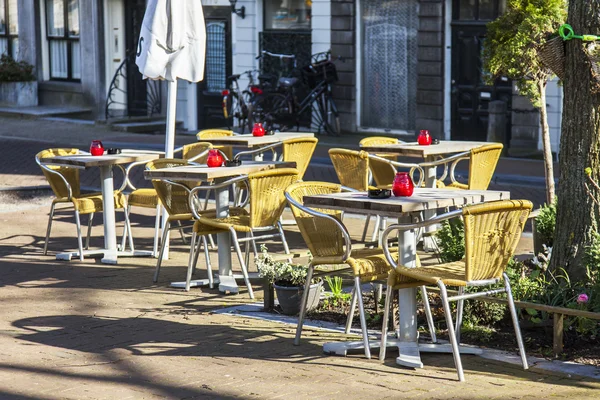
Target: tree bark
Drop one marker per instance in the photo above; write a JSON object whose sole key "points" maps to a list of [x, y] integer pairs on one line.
{"points": [[577, 215], [548, 159]]}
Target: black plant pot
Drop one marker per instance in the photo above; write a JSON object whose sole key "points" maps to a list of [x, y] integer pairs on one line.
{"points": [[290, 297]]}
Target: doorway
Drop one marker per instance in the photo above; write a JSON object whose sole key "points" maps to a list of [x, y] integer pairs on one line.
{"points": [[217, 67], [470, 94], [137, 91]]}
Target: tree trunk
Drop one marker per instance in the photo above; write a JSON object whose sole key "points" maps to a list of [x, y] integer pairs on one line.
{"points": [[577, 215], [548, 159]]}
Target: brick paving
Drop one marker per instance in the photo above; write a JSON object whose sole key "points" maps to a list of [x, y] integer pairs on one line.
{"points": [[85, 330]]}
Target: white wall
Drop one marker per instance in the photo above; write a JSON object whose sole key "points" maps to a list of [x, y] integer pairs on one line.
{"points": [[244, 38], [321, 25], [554, 101]]}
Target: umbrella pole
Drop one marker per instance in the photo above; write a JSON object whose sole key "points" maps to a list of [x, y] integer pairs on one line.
{"points": [[169, 146]]}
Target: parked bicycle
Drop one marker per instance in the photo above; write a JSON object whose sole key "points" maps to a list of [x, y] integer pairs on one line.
{"points": [[282, 110], [235, 101], [286, 66]]}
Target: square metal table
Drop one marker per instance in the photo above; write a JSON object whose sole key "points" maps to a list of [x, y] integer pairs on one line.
{"points": [[402, 208], [219, 174], [105, 163]]}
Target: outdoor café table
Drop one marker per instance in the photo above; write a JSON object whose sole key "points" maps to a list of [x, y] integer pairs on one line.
{"points": [[105, 163], [427, 153], [402, 208], [250, 142], [202, 173]]}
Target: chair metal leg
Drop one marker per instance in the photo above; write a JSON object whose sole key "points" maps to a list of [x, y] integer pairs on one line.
{"points": [[515, 318], [238, 250], [282, 235], [376, 229], [366, 228], [125, 233], [127, 229], [183, 239], [89, 231], [363, 320], [79, 238], [302, 314], [350, 316], [208, 265], [451, 333], [162, 250], [156, 232], [212, 242], [389, 294], [254, 249], [249, 235], [428, 314], [49, 228], [459, 313], [191, 259]]}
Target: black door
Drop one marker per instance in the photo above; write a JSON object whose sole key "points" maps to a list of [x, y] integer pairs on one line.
{"points": [[217, 67], [470, 94], [137, 93]]}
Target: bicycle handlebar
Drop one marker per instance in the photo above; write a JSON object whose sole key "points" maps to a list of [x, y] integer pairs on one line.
{"points": [[290, 56]]}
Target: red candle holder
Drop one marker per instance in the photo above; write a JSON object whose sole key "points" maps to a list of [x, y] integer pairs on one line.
{"points": [[96, 148], [424, 138], [258, 129], [214, 159], [403, 185]]}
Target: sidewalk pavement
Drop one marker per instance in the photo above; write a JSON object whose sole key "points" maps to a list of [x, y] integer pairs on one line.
{"points": [[22, 138], [86, 330]]}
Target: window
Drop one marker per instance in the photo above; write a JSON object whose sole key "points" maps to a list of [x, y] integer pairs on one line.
{"points": [[9, 28], [287, 14], [479, 10], [62, 23]]}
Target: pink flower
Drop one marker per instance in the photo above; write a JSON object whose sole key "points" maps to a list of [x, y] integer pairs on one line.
{"points": [[582, 298]]}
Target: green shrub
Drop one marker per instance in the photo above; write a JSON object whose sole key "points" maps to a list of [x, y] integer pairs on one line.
{"points": [[15, 71], [545, 223], [451, 240]]}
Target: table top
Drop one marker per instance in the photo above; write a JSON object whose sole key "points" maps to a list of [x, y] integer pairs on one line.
{"points": [[422, 199], [205, 173], [86, 161], [251, 141], [413, 149]]}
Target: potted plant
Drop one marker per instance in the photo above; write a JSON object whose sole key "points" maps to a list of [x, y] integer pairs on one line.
{"points": [[18, 85], [288, 280]]}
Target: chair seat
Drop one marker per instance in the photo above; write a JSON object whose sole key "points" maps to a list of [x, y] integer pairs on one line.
{"points": [[143, 198], [368, 264], [208, 224], [452, 274], [91, 202]]}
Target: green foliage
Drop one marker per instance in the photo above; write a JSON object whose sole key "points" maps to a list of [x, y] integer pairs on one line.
{"points": [[510, 48], [15, 71], [545, 223], [451, 240], [337, 298], [281, 273], [592, 259]]}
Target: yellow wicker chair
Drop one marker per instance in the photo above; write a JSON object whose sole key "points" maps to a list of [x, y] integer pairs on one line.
{"points": [[482, 164], [216, 133], [267, 201], [148, 198], [492, 232], [383, 173], [174, 196], [300, 151], [65, 184], [329, 243]]}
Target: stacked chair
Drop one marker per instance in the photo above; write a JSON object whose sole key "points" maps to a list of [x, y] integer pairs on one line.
{"points": [[66, 186], [492, 232]]}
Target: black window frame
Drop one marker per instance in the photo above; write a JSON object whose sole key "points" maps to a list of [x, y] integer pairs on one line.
{"points": [[498, 9], [301, 29], [7, 35], [65, 38]]}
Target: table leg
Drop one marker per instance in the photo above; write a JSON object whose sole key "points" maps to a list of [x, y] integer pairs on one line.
{"points": [[428, 240], [108, 204], [226, 280]]}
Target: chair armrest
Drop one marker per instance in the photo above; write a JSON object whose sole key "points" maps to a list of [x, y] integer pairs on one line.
{"points": [[339, 224], [412, 166], [61, 177], [127, 181], [197, 156], [193, 200], [258, 150], [453, 167]]}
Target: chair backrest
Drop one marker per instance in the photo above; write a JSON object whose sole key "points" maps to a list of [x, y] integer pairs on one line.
{"points": [[492, 232], [193, 149], [299, 150], [174, 198], [322, 236], [482, 165], [267, 198], [217, 133], [351, 167], [71, 175], [383, 173]]}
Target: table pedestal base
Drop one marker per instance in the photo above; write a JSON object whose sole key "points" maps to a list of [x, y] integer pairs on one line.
{"points": [[226, 283], [409, 351], [107, 258]]}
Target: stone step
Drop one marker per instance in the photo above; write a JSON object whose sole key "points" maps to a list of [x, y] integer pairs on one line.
{"points": [[73, 112], [148, 126]]}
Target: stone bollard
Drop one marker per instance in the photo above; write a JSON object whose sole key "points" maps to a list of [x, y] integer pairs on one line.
{"points": [[497, 122]]}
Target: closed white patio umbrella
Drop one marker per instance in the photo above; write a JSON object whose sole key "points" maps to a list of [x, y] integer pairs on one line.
{"points": [[172, 45]]}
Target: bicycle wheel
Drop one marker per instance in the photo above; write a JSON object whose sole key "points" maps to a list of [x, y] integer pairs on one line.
{"points": [[326, 116], [234, 113], [274, 110]]}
